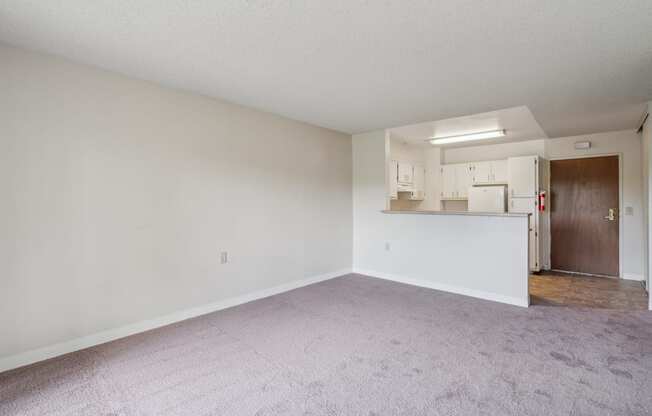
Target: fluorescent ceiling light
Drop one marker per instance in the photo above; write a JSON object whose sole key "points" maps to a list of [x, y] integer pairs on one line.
{"points": [[482, 135]]}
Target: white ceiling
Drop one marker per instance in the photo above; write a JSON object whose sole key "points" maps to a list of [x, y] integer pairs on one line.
{"points": [[518, 122], [355, 65]]}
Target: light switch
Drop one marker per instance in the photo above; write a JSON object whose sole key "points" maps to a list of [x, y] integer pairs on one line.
{"points": [[629, 211]]}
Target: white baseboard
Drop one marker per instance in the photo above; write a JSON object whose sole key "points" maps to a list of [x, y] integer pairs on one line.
{"points": [[459, 290], [40, 354], [633, 276]]}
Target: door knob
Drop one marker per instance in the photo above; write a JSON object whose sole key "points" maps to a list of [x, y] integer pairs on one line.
{"points": [[612, 215]]}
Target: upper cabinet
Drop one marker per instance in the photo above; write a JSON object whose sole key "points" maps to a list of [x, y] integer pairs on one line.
{"points": [[458, 177], [448, 182], [405, 177], [393, 179], [523, 176], [419, 183], [499, 171], [481, 172], [456, 180], [405, 172], [489, 172], [463, 180]]}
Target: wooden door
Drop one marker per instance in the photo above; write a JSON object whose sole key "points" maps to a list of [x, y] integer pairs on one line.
{"points": [[584, 217]]}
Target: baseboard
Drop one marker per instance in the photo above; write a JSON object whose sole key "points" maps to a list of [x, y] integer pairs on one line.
{"points": [[633, 276], [459, 290], [40, 354]]}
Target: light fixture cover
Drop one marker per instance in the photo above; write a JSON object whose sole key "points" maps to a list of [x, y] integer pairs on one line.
{"points": [[482, 135]]}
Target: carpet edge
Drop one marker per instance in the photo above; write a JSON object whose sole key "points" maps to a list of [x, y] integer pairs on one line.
{"points": [[458, 290], [51, 351]]}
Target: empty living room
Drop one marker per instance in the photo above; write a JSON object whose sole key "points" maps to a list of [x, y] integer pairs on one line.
{"points": [[274, 207]]}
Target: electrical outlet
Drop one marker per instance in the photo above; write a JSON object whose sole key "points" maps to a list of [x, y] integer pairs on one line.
{"points": [[224, 257], [388, 247]]}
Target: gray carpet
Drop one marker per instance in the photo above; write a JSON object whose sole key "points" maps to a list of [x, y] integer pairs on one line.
{"points": [[357, 346]]}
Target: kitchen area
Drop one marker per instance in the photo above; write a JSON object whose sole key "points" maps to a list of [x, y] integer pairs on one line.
{"points": [[451, 178], [452, 187]]}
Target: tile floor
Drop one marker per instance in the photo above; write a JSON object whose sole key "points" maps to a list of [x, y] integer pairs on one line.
{"points": [[562, 289]]}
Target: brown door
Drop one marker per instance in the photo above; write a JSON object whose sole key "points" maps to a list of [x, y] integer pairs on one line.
{"points": [[584, 215]]}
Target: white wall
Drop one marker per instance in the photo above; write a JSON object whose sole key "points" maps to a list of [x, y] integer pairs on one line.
{"points": [[627, 144], [117, 196], [403, 152], [433, 250]]}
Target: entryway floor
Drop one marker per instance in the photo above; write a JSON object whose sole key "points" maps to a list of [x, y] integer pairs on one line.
{"points": [[562, 289]]}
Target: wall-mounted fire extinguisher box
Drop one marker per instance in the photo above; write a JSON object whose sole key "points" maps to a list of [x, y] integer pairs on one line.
{"points": [[542, 201]]}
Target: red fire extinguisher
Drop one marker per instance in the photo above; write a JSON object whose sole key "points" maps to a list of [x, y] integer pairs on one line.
{"points": [[542, 201]]}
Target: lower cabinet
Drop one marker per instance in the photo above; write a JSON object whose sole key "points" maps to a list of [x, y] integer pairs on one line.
{"points": [[529, 206]]}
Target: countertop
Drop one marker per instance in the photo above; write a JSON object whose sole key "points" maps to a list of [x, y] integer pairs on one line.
{"points": [[475, 214]]}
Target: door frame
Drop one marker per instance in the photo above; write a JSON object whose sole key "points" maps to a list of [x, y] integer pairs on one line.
{"points": [[621, 240]]}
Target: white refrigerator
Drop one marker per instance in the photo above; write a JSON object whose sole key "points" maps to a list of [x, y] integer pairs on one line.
{"points": [[487, 198]]}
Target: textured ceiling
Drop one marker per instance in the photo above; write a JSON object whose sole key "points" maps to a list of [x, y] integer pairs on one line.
{"points": [[518, 123], [353, 65]]}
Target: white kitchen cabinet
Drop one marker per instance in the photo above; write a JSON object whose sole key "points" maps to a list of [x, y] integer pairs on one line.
{"points": [[392, 177], [418, 183], [533, 249], [463, 180], [405, 177], [448, 182], [405, 172], [523, 176], [456, 180], [522, 205], [529, 206], [499, 171], [526, 177], [481, 173], [490, 172]]}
